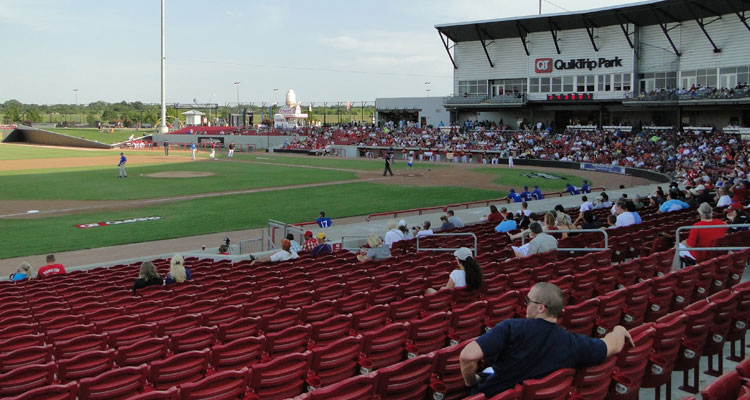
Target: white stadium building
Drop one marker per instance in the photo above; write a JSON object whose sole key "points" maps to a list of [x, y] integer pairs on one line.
{"points": [[670, 62]]}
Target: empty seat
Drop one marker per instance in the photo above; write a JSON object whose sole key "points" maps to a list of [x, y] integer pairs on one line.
{"points": [[331, 329], [448, 371], [336, 361], [360, 387], [581, 317], [669, 331], [131, 334], [243, 327], [553, 386], [592, 383], [237, 354], [466, 321], [198, 338], [72, 347], [116, 323], [353, 302], [661, 297], [636, 303], [371, 318], [21, 341], [220, 386], [280, 378], [631, 364], [85, 365], [700, 319], [405, 309], [69, 332], [726, 304], [290, 340], [181, 368], [160, 314], [169, 394], [51, 392], [119, 383], [178, 324], [280, 320], [143, 351], [429, 333], [501, 308], [25, 356], [439, 301], [223, 314], [385, 346], [409, 379], [318, 311], [728, 386]]}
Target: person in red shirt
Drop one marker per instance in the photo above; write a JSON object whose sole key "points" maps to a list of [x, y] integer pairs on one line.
{"points": [[739, 192], [51, 268], [310, 242], [702, 237]]}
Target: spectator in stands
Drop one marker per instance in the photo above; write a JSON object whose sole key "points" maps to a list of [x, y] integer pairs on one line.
{"points": [[533, 347], [736, 215], [722, 197], [453, 219], [444, 223], [147, 277], [585, 188], [515, 197], [571, 189], [294, 246], [52, 268], [611, 221], [540, 243], [585, 205], [589, 222], [563, 223], [376, 252], [405, 230], [323, 221], [702, 195], [393, 235], [177, 271], [468, 275], [524, 209], [739, 192], [425, 231], [602, 201], [523, 221], [638, 202], [537, 194], [224, 250], [508, 224], [494, 215], [286, 253], [310, 242], [702, 237], [674, 203], [322, 248], [624, 218], [24, 271]]}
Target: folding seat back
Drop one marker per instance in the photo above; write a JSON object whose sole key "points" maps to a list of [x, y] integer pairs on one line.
{"points": [[169, 394], [728, 386], [40, 354], [222, 314], [409, 379], [143, 351], [722, 271], [362, 285], [199, 306], [448, 371], [160, 314], [51, 392], [606, 280], [178, 324], [69, 332], [242, 327], [220, 386], [384, 294], [570, 266], [119, 383], [636, 303], [610, 311], [281, 319], [72, 347], [466, 321], [62, 321], [391, 278], [740, 320], [496, 285], [131, 334], [19, 329], [318, 311], [628, 272], [181, 368], [501, 307], [142, 307], [297, 299], [726, 305], [331, 329], [580, 318], [405, 309], [705, 279], [661, 296], [555, 385], [686, 280], [429, 333], [21, 342], [183, 299], [198, 338], [336, 361], [104, 314], [700, 316], [290, 340], [371, 318], [385, 346], [240, 353], [280, 378], [353, 302], [85, 365], [520, 279], [361, 387], [543, 273], [514, 393], [670, 330], [584, 286], [439, 301], [631, 363], [739, 262], [330, 292], [592, 383]]}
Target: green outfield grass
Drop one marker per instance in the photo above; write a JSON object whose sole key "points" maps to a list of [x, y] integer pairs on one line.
{"points": [[332, 162], [119, 135], [515, 178], [29, 152], [221, 214]]}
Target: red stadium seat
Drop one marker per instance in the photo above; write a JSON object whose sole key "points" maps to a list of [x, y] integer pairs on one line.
{"points": [[221, 386], [131, 334], [242, 327], [85, 365], [581, 317], [72, 347], [51, 392], [242, 352], [353, 302], [119, 383], [636, 303], [318, 311], [385, 346], [700, 319], [19, 329], [631, 364], [169, 394], [740, 321], [330, 292], [661, 297], [143, 351], [280, 378], [331, 329], [466, 321], [371, 318], [298, 299], [728, 386], [726, 305], [260, 307], [336, 361], [439, 301], [25, 356], [160, 314], [116, 323], [448, 371], [555, 385], [501, 308], [198, 338], [69, 332], [361, 387], [429, 333], [409, 379], [222, 315], [290, 340], [181, 368], [280, 320], [21, 342], [27, 377], [592, 383], [384, 295], [413, 287], [670, 330], [178, 324]]}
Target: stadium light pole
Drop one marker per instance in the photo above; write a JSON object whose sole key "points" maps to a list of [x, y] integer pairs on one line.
{"points": [[237, 85], [428, 88], [76, 92], [163, 125]]}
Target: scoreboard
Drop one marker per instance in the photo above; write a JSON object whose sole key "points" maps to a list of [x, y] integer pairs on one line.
{"points": [[570, 97]]}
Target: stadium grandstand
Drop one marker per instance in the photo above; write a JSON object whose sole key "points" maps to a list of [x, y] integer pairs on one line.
{"points": [[656, 87]]}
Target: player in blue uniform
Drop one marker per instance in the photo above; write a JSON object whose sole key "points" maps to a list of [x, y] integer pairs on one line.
{"points": [[571, 189], [585, 188], [526, 195], [514, 196], [536, 193], [323, 221], [122, 163]]}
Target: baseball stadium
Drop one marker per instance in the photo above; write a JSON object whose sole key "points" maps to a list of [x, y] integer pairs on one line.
{"points": [[569, 223]]}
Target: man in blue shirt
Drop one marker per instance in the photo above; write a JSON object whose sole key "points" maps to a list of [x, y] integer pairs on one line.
{"points": [[534, 347], [192, 149], [323, 221], [526, 195], [585, 188], [122, 163], [514, 196], [536, 193], [571, 189], [673, 204], [508, 224]]}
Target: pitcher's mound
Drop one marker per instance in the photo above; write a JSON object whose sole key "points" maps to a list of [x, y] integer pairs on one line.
{"points": [[180, 174]]}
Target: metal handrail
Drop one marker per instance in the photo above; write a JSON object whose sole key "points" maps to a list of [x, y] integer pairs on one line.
{"points": [[475, 248], [606, 239], [677, 241]]}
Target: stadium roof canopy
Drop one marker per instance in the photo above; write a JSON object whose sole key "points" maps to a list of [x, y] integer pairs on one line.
{"points": [[654, 12]]}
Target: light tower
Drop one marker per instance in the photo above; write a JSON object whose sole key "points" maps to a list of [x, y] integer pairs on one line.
{"points": [[163, 125]]}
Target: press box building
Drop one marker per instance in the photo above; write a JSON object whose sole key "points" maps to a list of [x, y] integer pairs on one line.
{"points": [[605, 66]]}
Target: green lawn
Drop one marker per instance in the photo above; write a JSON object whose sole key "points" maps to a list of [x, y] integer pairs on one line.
{"points": [[25, 152], [515, 178], [119, 135], [221, 214], [332, 162]]}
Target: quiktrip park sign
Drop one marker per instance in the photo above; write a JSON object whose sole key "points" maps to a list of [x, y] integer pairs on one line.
{"points": [[546, 65], [118, 222]]}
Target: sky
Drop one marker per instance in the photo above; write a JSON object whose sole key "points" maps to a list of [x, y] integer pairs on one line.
{"points": [[327, 50]]}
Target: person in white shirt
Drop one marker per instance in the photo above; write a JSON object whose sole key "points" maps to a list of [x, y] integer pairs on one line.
{"points": [[723, 198], [586, 205], [393, 235], [624, 218], [286, 253], [425, 231]]}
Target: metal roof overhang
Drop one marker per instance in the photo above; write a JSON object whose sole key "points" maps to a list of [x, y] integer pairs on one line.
{"points": [[641, 14]]}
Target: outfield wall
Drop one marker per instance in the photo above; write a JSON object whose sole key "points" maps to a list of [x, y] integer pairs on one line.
{"points": [[40, 136], [239, 140]]}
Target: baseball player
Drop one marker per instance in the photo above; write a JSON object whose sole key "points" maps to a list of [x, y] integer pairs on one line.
{"points": [[231, 150], [410, 162], [192, 148], [213, 151], [122, 163]]}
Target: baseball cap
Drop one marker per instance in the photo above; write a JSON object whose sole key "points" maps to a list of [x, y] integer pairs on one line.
{"points": [[402, 222], [733, 206], [321, 235], [463, 253], [308, 233], [700, 187]]}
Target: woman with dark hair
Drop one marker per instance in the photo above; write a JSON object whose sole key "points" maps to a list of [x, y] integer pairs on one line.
{"points": [[147, 276], [469, 274], [494, 215]]}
